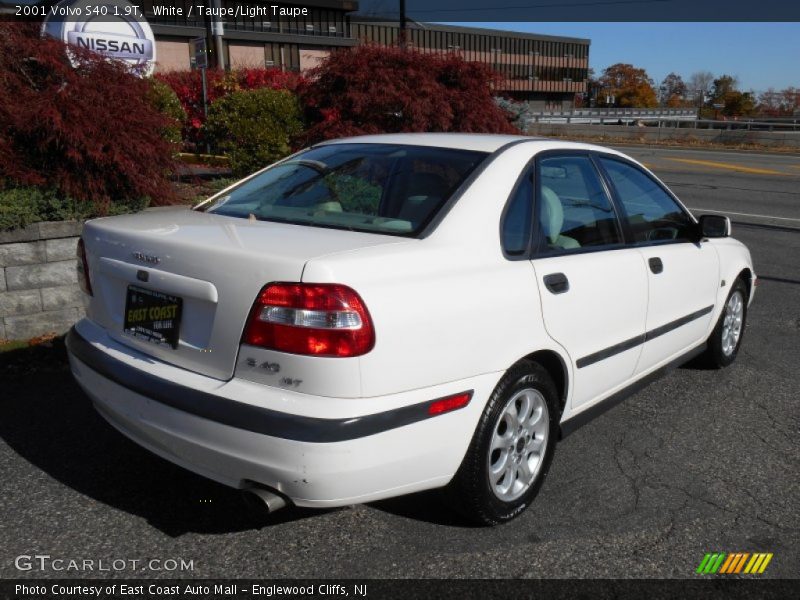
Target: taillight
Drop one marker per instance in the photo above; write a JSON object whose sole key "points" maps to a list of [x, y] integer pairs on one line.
{"points": [[83, 268], [319, 319]]}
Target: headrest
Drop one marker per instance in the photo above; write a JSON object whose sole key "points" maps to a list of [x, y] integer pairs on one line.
{"points": [[552, 214]]}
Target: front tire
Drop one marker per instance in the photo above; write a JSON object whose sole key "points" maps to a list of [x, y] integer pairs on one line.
{"points": [[726, 339], [511, 450]]}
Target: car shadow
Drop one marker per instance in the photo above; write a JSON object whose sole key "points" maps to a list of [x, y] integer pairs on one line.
{"points": [[698, 363], [49, 422], [427, 506]]}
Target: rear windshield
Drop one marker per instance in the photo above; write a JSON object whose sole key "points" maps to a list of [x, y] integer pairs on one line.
{"points": [[380, 188]]}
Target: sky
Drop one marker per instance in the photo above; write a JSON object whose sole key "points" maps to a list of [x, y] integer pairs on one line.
{"points": [[761, 55]]}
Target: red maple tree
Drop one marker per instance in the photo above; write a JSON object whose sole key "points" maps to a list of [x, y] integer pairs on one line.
{"points": [[374, 89], [88, 131]]}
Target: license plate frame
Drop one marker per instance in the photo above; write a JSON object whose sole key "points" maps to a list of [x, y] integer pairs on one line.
{"points": [[153, 316]]}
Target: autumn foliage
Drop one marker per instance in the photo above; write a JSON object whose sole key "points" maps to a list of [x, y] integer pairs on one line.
{"points": [[88, 133], [631, 87], [372, 89], [188, 86]]}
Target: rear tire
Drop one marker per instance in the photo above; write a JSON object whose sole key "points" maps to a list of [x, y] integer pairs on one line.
{"points": [[726, 339], [511, 450]]}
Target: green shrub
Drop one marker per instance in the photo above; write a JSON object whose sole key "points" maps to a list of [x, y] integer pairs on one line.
{"points": [[18, 207], [163, 98], [123, 207], [355, 194], [254, 128], [22, 206]]}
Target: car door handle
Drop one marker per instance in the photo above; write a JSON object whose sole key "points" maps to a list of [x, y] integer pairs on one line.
{"points": [[557, 283], [656, 266]]}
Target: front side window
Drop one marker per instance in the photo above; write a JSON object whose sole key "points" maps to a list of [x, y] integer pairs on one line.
{"points": [[378, 188], [653, 214], [572, 208]]}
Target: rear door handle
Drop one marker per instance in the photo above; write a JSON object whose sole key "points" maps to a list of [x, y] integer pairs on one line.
{"points": [[557, 283], [656, 266]]}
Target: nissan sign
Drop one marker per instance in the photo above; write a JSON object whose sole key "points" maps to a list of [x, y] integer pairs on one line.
{"points": [[114, 28]]}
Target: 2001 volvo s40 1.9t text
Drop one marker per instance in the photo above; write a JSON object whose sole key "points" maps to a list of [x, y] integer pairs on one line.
{"points": [[380, 315]]}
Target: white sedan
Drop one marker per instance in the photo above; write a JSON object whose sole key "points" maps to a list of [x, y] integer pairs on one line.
{"points": [[380, 315]]}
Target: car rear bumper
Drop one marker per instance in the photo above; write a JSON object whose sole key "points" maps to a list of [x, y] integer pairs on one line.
{"points": [[239, 433]]}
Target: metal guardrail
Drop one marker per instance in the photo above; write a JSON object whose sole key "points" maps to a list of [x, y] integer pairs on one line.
{"points": [[619, 116], [750, 124], [792, 125]]}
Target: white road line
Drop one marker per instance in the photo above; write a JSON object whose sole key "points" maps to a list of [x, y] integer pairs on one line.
{"points": [[738, 214]]}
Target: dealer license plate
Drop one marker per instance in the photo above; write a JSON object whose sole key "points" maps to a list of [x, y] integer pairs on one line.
{"points": [[153, 316]]}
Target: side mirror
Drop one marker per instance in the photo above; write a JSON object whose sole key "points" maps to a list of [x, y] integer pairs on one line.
{"points": [[714, 226]]}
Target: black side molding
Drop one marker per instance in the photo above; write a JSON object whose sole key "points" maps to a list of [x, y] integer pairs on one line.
{"points": [[237, 414], [590, 359], [658, 331], [582, 418], [610, 351]]}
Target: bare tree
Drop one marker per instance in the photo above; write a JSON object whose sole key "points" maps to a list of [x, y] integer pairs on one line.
{"points": [[672, 91], [700, 84], [791, 100], [769, 102]]}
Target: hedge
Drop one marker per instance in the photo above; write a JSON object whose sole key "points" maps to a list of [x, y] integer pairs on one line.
{"points": [[255, 128]]}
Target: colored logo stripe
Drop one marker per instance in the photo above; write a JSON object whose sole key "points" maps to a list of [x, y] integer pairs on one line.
{"points": [[734, 563], [710, 563], [737, 561], [726, 565]]}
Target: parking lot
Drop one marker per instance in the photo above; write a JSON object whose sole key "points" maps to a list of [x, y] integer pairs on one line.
{"points": [[701, 461]]}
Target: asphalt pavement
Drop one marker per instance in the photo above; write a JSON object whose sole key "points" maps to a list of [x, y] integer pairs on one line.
{"points": [[700, 461]]}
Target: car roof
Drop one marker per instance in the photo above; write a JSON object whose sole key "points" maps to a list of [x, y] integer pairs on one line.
{"points": [[483, 142]]}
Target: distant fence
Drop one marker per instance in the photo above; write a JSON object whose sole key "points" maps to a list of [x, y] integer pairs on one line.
{"points": [[659, 118], [675, 133], [615, 116], [786, 125]]}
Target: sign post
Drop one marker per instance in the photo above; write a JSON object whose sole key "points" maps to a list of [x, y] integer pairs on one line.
{"points": [[717, 107], [200, 61]]}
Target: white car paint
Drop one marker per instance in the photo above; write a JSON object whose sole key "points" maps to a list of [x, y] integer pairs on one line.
{"points": [[451, 314]]}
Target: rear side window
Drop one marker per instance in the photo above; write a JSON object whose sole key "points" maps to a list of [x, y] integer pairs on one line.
{"points": [[516, 228], [380, 188], [652, 213], [572, 208]]}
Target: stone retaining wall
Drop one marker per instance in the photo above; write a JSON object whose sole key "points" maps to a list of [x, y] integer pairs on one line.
{"points": [[39, 292]]}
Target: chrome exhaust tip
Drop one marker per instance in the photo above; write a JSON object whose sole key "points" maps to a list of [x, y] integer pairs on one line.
{"points": [[264, 498]]}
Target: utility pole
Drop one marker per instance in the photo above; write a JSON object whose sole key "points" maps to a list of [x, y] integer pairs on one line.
{"points": [[403, 25], [217, 31]]}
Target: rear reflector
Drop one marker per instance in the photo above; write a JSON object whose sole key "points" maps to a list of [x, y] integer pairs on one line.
{"points": [[443, 405], [319, 319]]}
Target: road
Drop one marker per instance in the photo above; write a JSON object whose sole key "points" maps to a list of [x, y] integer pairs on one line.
{"points": [[760, 188], [702, 461]]}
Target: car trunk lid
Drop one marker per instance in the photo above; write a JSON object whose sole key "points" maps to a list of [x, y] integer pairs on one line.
{"points": [[216, 265]]}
